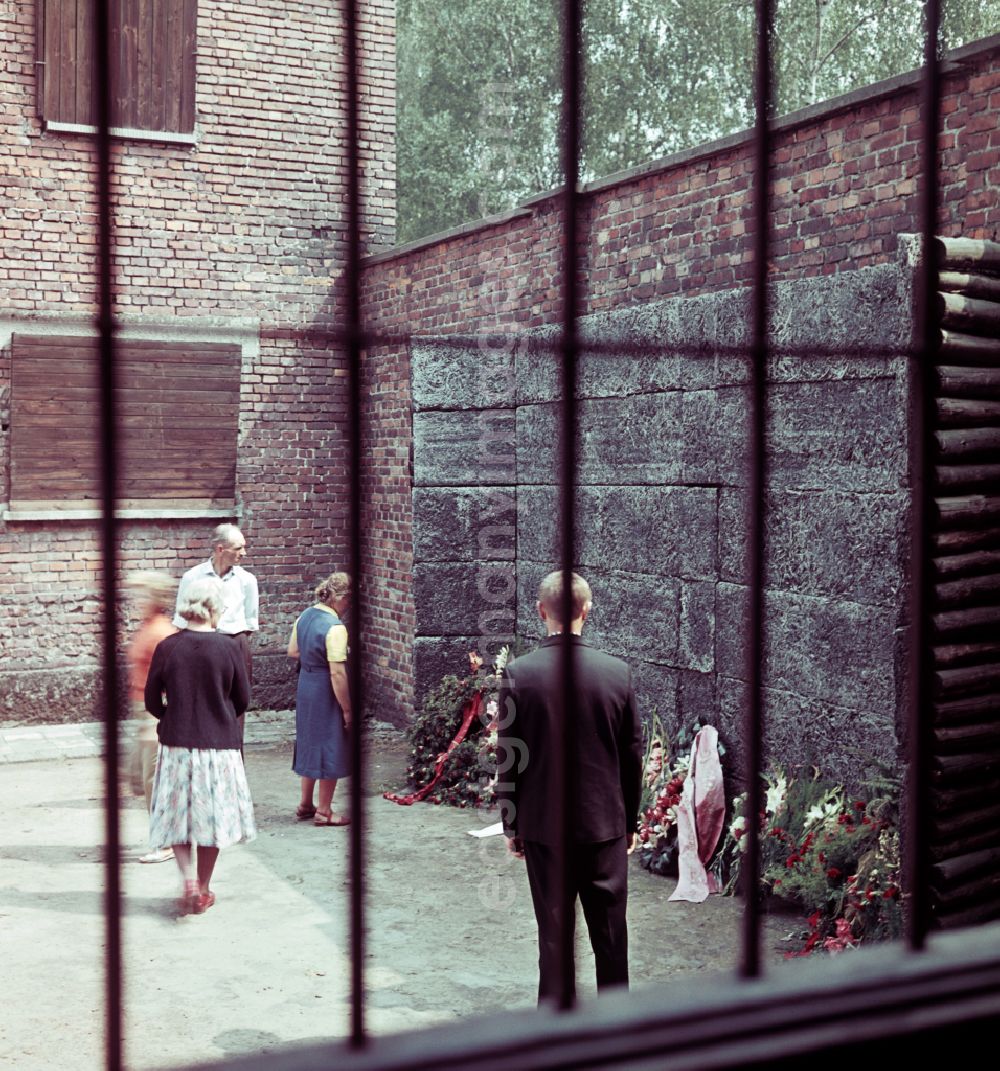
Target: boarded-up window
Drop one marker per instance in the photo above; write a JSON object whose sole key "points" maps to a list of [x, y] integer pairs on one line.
{"points": [[178, 408], [152, 51]]}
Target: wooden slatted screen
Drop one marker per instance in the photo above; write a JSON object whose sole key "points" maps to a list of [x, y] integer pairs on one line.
{"points": [[965, 832], [179, 412], [153, 45]]}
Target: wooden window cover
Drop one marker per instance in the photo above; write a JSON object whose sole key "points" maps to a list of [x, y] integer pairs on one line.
{"points": [[153, 45], [178, 417]]}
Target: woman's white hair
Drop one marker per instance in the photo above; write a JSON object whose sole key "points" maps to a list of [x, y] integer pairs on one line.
{"points": [[202, 601]]}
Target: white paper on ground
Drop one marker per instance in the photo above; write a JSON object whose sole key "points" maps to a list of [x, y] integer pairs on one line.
{"points": [[488, 831]]}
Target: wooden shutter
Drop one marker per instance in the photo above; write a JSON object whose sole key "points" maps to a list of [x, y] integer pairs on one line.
{"points": [[152, 48], [178, 413]]}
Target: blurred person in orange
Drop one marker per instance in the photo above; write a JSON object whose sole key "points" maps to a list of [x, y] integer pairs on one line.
{"points": [[154, 595]]}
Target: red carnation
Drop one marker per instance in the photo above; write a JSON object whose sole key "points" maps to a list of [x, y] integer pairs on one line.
{"points": [[833, 873]]}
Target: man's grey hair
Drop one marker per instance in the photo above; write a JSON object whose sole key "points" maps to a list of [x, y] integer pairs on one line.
{"points": [[226, 534], [550, 593], [202, 601]]}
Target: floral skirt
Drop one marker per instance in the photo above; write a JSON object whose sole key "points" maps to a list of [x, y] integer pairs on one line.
{"points": [[200, 797]]}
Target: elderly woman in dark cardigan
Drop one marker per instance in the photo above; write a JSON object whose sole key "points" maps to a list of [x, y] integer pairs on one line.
{"points": [[197, 687]]}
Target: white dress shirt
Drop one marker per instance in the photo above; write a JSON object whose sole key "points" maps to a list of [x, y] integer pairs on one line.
{"points": [[239, 594]]}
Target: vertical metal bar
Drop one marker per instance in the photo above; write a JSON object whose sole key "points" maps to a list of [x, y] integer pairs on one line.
{"points": [[920, 713], [565, 767], [754, 730], [352, 314], [108, 461]]}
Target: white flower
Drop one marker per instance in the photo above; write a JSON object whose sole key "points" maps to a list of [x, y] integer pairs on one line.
{"points": [[818, 813], [501, 660], [825, 811], [775, 794]]}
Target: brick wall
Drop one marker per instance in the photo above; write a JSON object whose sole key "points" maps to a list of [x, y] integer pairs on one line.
{"points": [[241, 232], [845, 184]]}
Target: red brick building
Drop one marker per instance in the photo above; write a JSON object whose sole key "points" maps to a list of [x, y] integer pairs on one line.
{"points": [[229, 179]]}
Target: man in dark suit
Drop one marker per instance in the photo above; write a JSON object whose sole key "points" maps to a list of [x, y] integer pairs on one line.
{"points": [[606, 784]]}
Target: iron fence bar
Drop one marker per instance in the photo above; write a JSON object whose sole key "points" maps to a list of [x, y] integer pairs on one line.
{"points": [[753, 733], [565, 766], [353, 339], [586, 347], [108, 466], [920, 663]]}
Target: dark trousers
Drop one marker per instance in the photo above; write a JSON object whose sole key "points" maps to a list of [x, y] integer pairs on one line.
{"points": [[599, 877], [243, 640]]}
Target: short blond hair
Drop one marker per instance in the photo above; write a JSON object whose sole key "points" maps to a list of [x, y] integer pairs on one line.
{"points": [[202, 601], [159, 588], [550, 594], [336, 586]]}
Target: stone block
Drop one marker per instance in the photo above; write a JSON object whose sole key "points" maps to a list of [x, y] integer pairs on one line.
{"points": [[464, 524], [834, 312], [696, 698], [846, 435], [664, 531], [734, 534], [464, 449], [838, 544], [803, 732], [463, 373], [464, 598], [435, 657], [634, 615], [702, 342], [715, 436], [696, 626], [628, 441], [840, 652], [656, 690]]}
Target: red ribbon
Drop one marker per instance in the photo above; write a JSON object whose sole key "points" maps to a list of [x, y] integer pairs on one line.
{"points": [[472, 709]]}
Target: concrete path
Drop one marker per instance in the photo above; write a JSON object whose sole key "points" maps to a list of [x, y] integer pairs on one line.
{"points": [[451, 930]]}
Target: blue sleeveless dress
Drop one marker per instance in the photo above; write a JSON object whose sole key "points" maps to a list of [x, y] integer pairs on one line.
{"points": [[321, 747]]}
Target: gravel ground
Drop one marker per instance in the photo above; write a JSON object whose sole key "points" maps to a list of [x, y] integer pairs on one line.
{"points": [[451, 931]]}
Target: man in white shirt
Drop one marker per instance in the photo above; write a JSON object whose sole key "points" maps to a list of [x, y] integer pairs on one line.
{"points": [[239, 588]]}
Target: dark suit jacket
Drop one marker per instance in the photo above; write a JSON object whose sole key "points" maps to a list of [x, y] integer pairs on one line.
{"points": [[607, 747]]}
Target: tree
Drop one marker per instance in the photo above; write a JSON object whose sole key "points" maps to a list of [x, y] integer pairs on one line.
{"points": [[479, 84]]}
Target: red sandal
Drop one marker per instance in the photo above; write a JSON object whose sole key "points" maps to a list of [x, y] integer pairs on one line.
{"points": [[188, 902], [205, 901]]}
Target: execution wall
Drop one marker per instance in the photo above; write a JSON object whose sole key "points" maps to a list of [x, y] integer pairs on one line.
{"points": [[845, 188], [662, 505]]}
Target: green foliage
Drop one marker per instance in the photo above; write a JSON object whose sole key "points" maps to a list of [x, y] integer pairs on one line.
{"points": [[836, 858], [479, 85]]}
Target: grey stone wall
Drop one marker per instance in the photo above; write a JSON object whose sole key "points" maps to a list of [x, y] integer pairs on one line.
{"points": [[661, 503]]}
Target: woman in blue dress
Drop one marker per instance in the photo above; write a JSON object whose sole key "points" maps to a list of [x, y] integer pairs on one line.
{"points": [[322, 701]]}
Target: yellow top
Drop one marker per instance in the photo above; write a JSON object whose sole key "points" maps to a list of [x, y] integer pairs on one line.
{"points": [[336, 638]]}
